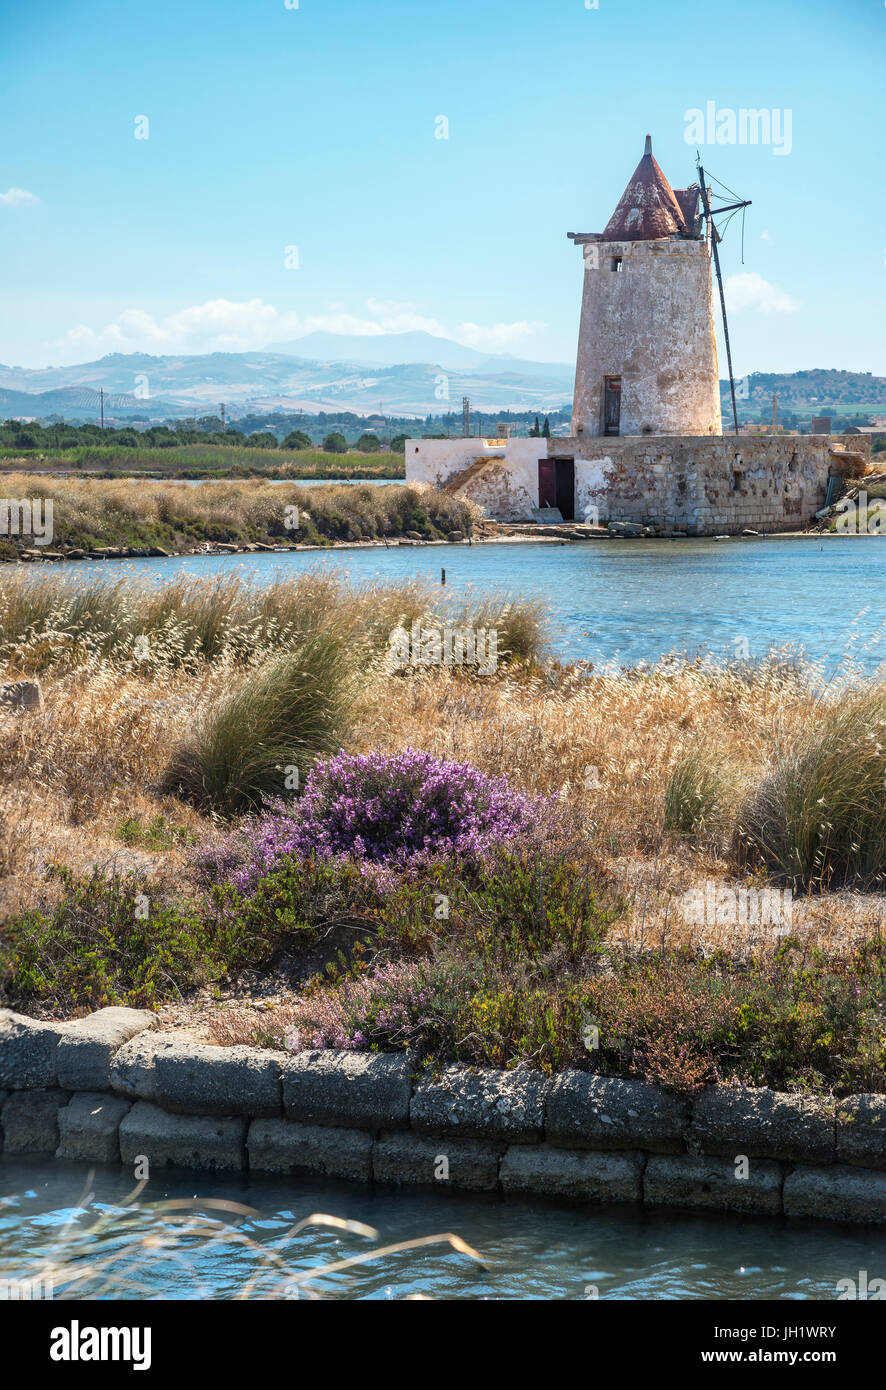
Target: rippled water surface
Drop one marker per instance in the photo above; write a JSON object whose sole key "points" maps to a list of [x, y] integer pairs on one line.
{"points": [[530, 1250], [630, 601]]}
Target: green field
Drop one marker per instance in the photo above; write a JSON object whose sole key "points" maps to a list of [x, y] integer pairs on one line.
{"points": [[205, 461]]}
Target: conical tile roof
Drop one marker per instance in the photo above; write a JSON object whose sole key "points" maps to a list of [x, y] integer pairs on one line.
{"points": [[648, 208]]}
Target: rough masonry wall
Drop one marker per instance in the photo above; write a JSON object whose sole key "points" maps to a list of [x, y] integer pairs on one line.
{"points": [[652, 323], [506, 487], [709, 486], [109, 1088]]}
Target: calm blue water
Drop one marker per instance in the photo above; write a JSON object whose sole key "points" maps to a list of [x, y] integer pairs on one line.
{"points": [[530, 1250], [631, 601]]}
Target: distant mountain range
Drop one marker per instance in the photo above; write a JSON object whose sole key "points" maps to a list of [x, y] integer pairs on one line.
{"points": [[402, 373], [392, 373], [397, 349]]}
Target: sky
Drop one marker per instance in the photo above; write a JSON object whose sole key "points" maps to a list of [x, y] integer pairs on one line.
{"points": [[191, 176]]}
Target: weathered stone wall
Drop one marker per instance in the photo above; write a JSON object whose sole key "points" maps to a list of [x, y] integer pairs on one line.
{"points": [[703, 485], [709, 486], [436, 461], [652, 324], [107, 1088]]}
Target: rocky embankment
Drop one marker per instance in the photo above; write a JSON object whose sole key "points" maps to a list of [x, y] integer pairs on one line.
{"points": [[111, 1088]]}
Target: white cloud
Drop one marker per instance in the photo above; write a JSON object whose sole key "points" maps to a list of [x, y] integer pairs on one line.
{"points": [[224, 325], [18, 198], [748, 290], [497, 336]]}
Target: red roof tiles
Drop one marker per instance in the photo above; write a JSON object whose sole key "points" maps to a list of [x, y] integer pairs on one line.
{"points": [[649, 207]]}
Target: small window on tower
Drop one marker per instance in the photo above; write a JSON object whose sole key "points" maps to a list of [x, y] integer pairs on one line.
{"points": [[616, 263]]}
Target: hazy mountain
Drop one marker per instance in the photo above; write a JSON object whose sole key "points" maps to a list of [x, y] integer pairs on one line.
{"points": [[819, 389], [161, 386], [392, 349]]}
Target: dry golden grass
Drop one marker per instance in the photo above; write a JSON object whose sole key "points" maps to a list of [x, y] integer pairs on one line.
{"points": [[107, 510], [606, 743]]}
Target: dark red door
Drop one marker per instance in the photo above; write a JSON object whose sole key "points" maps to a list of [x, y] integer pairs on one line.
{"points": [[547, 483]]}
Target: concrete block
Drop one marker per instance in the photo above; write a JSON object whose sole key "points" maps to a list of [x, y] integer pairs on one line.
{"points": [[283, 1146], [195, 1079], [731, 1120], [482, 1104], [600, 1112], [861, 1131], [132, 1067], [30, 1121], [87, 1047], [88, 1127], [27, 1052], [839, 1192], [351, 1089], [687, 1180], [182, 1141], [436, 1162], [541, 1170]]}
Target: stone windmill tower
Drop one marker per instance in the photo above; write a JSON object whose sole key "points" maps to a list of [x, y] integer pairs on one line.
{"points": [[647, 351]]}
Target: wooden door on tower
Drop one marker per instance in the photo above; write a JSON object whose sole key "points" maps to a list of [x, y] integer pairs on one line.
{"points": [[612, 405]]}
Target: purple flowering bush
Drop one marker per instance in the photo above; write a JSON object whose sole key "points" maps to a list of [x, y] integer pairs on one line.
{"points": [[393, 812]]}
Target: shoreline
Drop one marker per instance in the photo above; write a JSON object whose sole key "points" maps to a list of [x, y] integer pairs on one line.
{"points": [[110, 1088], [220, 551]]}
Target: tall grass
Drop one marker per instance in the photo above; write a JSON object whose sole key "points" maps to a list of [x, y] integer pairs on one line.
{"points": [[49, 620], [817, 818], [261, 740], [91, 512], [699, 792], [198, 459]]}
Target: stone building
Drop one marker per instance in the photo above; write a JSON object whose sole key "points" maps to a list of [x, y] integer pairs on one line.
{"points": [[647, 350], [646, 443]]}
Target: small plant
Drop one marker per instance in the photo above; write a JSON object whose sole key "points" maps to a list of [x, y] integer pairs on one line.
{"points": [[157, 834], [250, 745], [398, 809], [698, 792], [818, 817]]}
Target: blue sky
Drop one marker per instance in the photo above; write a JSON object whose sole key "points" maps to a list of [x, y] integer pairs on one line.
{"points": [[314, 127]]}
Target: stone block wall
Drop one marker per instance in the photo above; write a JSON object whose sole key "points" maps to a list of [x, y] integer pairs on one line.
{"points": [[700, 485], [715, 486], [652, 325], [108, 1088]]}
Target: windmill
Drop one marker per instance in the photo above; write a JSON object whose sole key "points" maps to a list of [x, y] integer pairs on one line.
{"points": [[715, 240]]}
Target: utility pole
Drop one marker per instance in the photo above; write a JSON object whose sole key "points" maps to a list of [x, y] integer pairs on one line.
{"points": [[466, 416], [714, 241], [102, 398]]}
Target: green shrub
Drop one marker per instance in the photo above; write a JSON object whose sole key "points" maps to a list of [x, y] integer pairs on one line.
{"points": [[113, 942], [698, 793], [818, 817], [260, 740]]}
